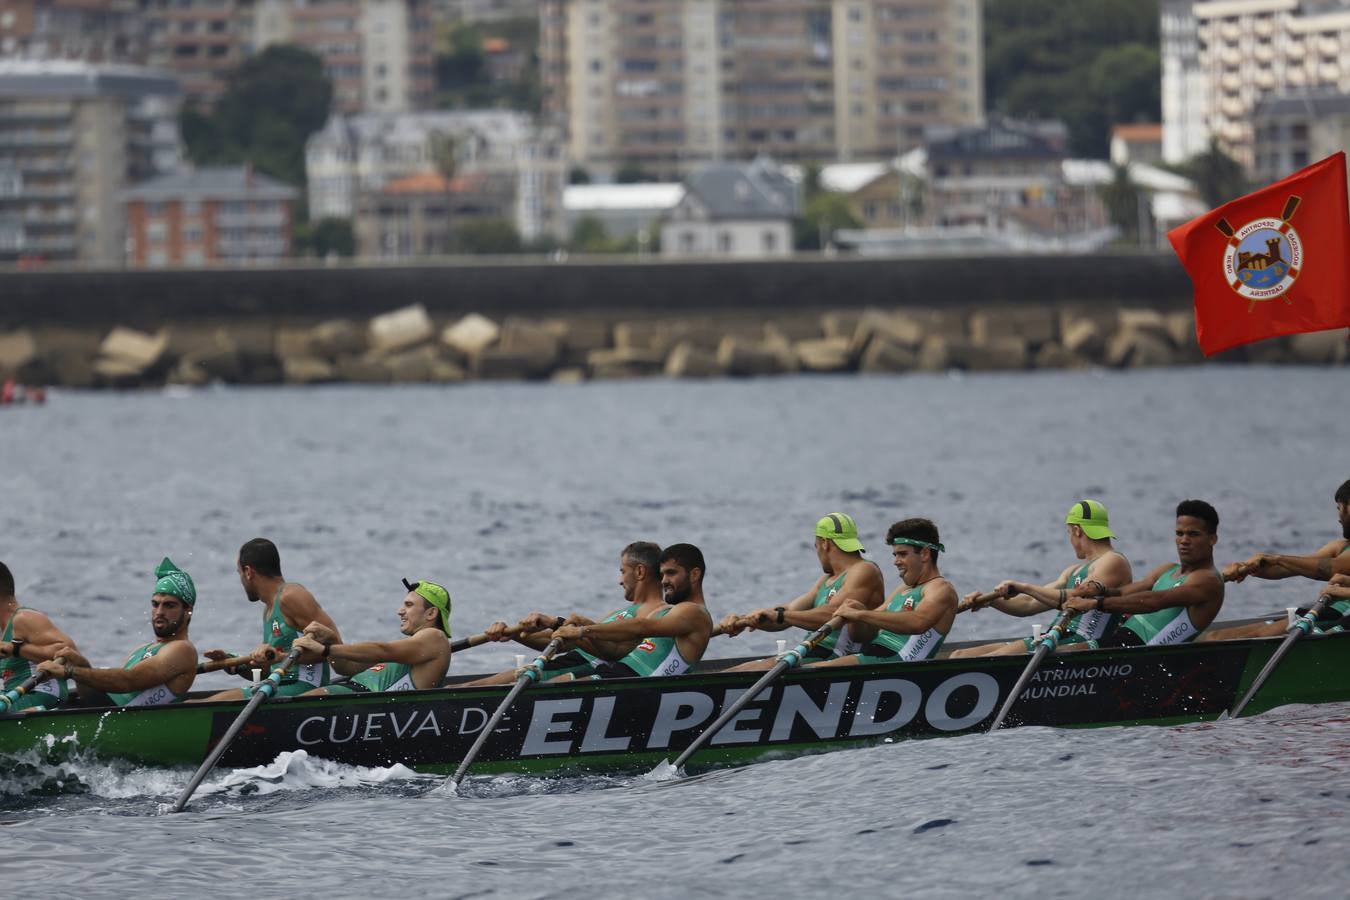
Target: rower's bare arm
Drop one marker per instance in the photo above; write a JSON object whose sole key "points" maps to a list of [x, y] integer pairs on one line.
{"points": [[937, 605], [299, 609], [1320, 566], [175, 660], [1093, 588], [43, 639], [863, 585], [1198, 589], [684, 618], [1031, 599], [421, 647]]}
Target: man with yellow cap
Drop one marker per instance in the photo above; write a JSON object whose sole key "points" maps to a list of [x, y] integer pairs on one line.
{"points": [[417, 662], [1090, 537], [848, 576], [156, 673]]}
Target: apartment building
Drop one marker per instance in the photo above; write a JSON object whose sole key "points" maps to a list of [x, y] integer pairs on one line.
{"points": [[670, 85], [72, 136], [89, 30], [213, 216], [1221, 58], [355, 154], [472, 11], [1296, 129], [379, 53]]}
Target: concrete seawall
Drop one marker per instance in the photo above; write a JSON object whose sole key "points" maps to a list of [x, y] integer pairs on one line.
{"points": [[582, 320]]}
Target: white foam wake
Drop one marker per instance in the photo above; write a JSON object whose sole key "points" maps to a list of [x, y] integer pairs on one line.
{"points": [[296, 770]]}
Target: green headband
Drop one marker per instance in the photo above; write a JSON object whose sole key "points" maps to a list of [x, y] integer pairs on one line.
{"points": [[175, 582], [917, 543]]}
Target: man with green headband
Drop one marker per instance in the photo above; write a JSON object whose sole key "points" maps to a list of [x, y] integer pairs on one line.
{"points": [[1090, 537], [156, 673], [28, 637], [848, 576], [916, 619], [1330, 562], [417, 662]]}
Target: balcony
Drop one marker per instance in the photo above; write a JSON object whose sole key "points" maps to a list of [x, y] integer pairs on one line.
{"points": [[45, 165], [276, 219], [62, 137]]}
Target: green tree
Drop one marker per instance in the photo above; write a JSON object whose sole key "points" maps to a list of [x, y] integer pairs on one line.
{"points": [[1091, 64], [330, 235], [488, 236], [589, 236], [271, 105], [1122, 201], [1217, 176], [578, 175], [631, 172], [823, 215]]}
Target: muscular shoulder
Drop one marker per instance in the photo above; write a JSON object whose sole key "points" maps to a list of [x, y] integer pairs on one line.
{"points": [[297, 597], [863, 573], [1111, 569], [693, 615], [179, 654], [940, 590]]}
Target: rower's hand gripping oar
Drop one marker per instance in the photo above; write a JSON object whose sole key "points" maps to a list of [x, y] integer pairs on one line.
{"points": [[1302, 625], [533, 672], [1044, 647], [13, 695], [266, 689], [790, 659], [979, 602], [514, 631], [230, 662]]}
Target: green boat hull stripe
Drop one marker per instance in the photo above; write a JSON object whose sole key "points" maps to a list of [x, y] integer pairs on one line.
{"points": [[634, 723]]}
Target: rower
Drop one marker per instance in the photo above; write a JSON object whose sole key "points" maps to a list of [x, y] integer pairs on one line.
{"points": [[417, 662], [1175, 602], [672, 639], [1090, 537], [156, 673], [920, 612], [640, 579], [27, 637], [287, 612], [1330, 560], [847, 576]]}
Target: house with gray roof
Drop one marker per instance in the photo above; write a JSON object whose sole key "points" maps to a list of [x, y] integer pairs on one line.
{"points": [[735, 210], [1295, 129]]}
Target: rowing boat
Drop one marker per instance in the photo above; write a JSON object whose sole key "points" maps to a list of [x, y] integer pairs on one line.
{"points": [[632, 724]]}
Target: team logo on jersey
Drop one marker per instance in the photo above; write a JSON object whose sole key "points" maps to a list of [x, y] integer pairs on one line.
{"points": [[646, 646], [378, 667], [276, 629], [1263, 258]]}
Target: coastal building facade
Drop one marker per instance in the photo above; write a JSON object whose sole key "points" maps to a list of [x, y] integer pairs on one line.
{"points": [[212, 216], [104, 31], [671, 85], [1221, 58], [353, 154], [735, 211], [72, 136], [1298, 128], [379, 53]]}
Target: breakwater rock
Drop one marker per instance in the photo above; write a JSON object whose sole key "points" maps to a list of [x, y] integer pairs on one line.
{"points": [[409, 344]]}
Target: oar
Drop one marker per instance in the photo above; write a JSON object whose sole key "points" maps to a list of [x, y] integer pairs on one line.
{"points": [[1302, 625], [790, 659], [481, 637], [1048, 643], [530, 673], [12, 696], [266, 689], [983, 600], [215, 665]]}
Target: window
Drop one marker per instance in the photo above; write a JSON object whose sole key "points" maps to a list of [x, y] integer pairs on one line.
{"points": [[725, 243], [768, 241]]}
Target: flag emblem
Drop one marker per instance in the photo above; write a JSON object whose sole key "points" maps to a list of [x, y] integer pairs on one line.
{"points": [[1263, 258]]}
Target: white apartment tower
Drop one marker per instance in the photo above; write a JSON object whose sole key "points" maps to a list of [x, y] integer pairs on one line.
{"points": [[1220, 58]]}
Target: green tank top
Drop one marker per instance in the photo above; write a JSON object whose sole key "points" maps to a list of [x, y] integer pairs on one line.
{"points": [[909, 647], [1166, 626], [278, 633], [627, 613], [15, 671], [1092, 625], [390, 676], [832, 641], [657, 656], [151, 696]]}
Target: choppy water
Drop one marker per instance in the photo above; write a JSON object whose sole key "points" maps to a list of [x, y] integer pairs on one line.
{"points": [[520, 496]]}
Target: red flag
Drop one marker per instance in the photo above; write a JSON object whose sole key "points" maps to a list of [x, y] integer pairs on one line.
{"points": [[1271, 263]]}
